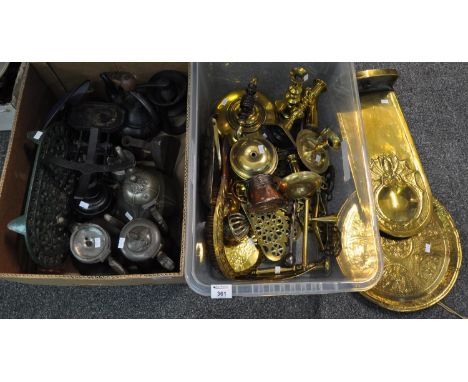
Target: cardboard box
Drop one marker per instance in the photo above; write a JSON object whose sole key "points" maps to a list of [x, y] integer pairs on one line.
{"points": [[41, 85]]}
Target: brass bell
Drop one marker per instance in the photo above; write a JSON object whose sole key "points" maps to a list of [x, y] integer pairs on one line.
{"points": [[251, 156]]}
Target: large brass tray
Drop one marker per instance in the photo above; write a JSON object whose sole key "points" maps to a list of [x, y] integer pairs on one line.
{"points": [[421, 270], [403, 198]]}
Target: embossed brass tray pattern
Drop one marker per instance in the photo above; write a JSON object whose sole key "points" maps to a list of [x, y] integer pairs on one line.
{"points": [[421, 270], [358, 260]]}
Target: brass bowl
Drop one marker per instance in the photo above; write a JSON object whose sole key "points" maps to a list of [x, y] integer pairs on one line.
{"points": [[251, 156], [421, 270]]}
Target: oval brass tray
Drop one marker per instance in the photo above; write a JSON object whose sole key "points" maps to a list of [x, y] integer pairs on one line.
{"points": [[421, 270]]}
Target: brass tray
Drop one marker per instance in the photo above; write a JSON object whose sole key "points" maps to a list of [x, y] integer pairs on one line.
{"points": [[358, 260], [402, 194], [421, 270]]}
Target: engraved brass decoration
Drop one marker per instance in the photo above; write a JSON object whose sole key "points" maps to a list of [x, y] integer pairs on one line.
{"points": [[421, 270], [398, 196], [358, 260], [401, 191], [272, 232], [242, 256]]}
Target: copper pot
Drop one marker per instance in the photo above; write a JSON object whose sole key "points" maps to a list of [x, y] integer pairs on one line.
{"points": [[263, 194]]}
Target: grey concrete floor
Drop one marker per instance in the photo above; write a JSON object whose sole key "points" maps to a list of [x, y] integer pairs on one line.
{"points": [[433, 98]]}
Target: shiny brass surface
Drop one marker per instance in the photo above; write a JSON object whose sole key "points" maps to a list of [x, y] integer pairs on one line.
{"points": [[300, 185], [271, 231], [242, 257], [251, 156], [236, 227], [402, 194], [293, 95], [312, 117], [311, 151], [308, 104], [421, 270], [238, 256], [228, 119], [358, 260]]}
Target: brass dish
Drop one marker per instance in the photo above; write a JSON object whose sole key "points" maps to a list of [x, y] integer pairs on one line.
{"points": [[251, 156], [402, 194], [300, 185], [421, 270], [358, 260]]}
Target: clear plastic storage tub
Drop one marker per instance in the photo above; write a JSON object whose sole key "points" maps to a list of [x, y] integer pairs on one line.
{"points": [[361, 262]]}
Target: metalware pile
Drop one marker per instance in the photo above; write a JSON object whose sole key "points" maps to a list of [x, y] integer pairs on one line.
{"points": [[102, 191], [272, 181]]}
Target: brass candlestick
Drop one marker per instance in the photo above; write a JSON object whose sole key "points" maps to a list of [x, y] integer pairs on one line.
{"points": [[301, 185]]}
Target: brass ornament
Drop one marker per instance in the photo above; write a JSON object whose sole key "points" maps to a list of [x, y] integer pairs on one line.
{"points": [[236, 227], [399, 197], [271, 231], [401, 190], [252, 155], [229, 118], [301, 185], [421, 270], [292, 98], [312, 153], [242, 257]]}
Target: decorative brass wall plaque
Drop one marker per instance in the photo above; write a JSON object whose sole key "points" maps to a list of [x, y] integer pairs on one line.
{"points": [[403, 198]]}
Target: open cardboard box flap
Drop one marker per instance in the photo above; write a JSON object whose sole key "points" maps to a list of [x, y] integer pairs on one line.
{"points": [[42, 84]]}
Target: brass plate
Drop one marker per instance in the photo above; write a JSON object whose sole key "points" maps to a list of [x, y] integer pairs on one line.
{"points": [[358, 260], [251, 156], [402, 194], [421, 270]]}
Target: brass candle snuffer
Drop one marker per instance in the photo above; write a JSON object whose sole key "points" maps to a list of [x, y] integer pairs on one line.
{"points": [[421, 245], [273, 161]]}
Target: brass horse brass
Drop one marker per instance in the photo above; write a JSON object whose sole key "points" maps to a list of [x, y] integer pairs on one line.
{"points": [[402, 194]]}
